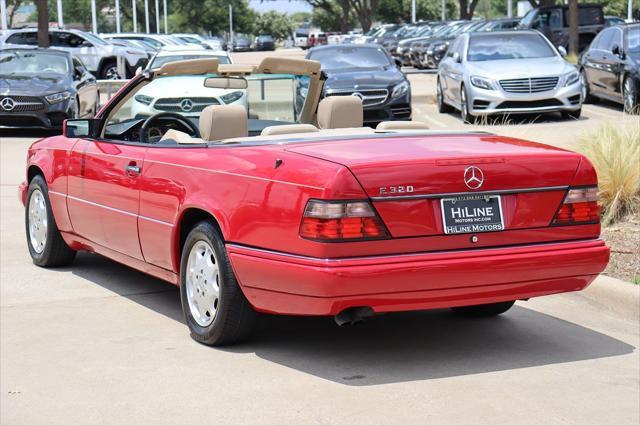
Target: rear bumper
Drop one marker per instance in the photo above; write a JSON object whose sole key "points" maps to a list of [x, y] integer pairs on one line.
{"points": [[288, 284]]}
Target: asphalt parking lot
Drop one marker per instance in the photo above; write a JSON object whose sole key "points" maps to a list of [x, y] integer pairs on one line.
{"points": [[101, 343]]}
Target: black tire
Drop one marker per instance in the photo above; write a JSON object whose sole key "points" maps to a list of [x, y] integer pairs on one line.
{"points": [[479, 311], [587, 97], [630, 96], [234, 317], [465, 115], [443, 107], [54, 252], [572, 115], [108, 69]]}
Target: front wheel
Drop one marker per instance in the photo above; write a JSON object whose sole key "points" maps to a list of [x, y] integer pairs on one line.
{"points": [[630, 93], [488, 310], [46, 246], [443, 107], [587, 97], [214, 307], [466, 116]]}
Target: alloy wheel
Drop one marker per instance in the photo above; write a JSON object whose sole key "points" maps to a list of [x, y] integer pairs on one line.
{"points": [[112, 73], [38, 221], [629, 96], [203, 283]]}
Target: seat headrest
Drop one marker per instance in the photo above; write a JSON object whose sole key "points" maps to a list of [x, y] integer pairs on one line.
{"points": [[288, 129], [338, 112], [402, 125], [219, 122]]}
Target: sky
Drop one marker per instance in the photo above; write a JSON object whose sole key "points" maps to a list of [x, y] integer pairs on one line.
{"points": [[288, 6]]}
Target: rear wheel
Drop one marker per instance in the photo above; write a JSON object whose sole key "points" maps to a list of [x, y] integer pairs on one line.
{"points": [[46, 246], [214, 307], [443, 107], [489, 310], [630, 93], [109, 71], [466, 116]]}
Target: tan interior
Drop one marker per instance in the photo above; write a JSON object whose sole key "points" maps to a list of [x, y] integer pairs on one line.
{"points": [[402, 125], [337, 112], [219, 122], [189, 67], [181, 138], [288, 129]]}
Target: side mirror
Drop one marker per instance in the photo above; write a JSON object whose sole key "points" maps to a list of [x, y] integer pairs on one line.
{"points": [[616, 50], [138, 70], [398, 62], [86, 128], [77, 73], [456, 57], [562, 51], [86, 43]]}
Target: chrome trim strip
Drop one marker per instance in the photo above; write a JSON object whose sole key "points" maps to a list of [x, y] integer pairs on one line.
{"points": [[387, 256], [457, 194], [113, 209]]}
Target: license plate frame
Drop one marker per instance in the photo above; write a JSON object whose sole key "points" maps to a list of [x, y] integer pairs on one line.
{"points": [[466, 223]]}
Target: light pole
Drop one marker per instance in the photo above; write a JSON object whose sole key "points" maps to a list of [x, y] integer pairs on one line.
{"points": [[135, 16], [510, 8], [118, 16], [230, 24], [60, 19], [630, 10], [165, 16], [413, 11], [157, 17], [444, 10], [3, 12], [94, 19], [146, 14]]}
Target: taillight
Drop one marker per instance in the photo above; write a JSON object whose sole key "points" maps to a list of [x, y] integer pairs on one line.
{"points": [[341, 220], [580, 205]]}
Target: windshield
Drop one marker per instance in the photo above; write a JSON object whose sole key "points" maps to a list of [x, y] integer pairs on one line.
{"points": [[268, 97], [159, 61], [349, 57], [508, 46], [28, 63], [94, 39], [527, 21], [633, 39]]}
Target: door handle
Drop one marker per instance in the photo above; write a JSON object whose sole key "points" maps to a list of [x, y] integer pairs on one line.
{"points": [[132, 170]]}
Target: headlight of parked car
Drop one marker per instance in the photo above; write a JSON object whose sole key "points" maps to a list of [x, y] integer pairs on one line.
{"points": [[400, 89], [481, 82], [231, 97], [144, 99], [571, 78], [54, 98]]}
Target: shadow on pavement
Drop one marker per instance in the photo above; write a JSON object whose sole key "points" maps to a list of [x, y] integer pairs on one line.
{"points": [[387, 348]]}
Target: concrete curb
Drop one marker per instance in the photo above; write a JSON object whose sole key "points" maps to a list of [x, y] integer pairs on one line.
{"points": [[614, 295]]}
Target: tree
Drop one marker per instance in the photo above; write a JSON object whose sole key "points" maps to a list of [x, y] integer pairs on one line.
{"points": [[343, 9], [12, 8], [364, 11], [275, 24], [400, 10], [212, 15], [43, 23], [573, 28], [467, 8]]}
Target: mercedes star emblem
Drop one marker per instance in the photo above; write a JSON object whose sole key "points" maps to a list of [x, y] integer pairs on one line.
{"points": [[7, 104], [186, 105], [473, 177]]}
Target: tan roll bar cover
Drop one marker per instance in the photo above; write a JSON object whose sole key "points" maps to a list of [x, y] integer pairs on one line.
{"points": [[189, 67]]}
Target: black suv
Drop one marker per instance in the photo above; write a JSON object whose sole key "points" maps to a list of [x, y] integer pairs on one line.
{"points": [[553, 22]]}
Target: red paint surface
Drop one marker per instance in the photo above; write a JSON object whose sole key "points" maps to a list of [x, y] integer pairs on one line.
{"points": [[137, 219]]}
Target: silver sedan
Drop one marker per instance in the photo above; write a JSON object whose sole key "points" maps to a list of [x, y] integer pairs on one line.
{"points": [[511, 72]]}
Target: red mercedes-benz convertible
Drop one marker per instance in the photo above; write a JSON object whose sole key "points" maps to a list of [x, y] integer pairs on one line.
{"points": [[253, 196]]}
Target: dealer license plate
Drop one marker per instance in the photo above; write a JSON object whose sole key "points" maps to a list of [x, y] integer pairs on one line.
{"points": [[471, 213]]}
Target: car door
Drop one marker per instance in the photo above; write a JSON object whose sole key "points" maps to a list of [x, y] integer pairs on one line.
{"points": [[104, 192], [455, 71], [78, 46], [613, 65], [85, 85], [597, 59]]}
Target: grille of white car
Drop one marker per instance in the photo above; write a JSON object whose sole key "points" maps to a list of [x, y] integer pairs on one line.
{"points": [[370, 97], [529, 85], [184, 104]]}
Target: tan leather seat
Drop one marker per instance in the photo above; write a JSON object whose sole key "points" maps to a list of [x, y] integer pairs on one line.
{"points": [[180, 137], [218, 122], [288, 129], [339, 112], [402, 125]]}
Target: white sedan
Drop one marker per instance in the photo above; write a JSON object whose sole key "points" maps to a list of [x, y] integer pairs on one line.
{"points": [[189, 97]]}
